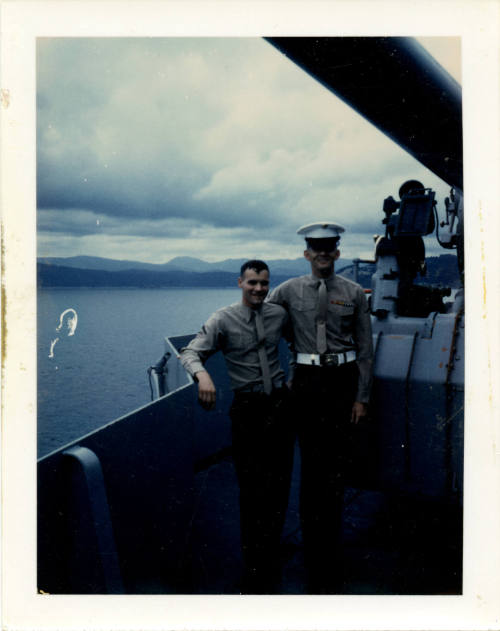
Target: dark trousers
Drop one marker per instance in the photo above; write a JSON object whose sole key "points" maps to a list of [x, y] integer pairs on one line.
{"points": [[263, 440], [323, 402]]}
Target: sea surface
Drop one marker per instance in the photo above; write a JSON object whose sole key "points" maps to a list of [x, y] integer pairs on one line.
{"points": [[89, 378]]}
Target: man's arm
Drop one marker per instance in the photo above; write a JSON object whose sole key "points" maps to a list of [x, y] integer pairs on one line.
{"points": [[364, 344], [206, 390], [287, 333], [194, 356], [359, 411], [277, 297]]}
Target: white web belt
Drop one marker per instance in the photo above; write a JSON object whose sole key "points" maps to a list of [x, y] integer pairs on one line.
{"points": [[328, 359]]}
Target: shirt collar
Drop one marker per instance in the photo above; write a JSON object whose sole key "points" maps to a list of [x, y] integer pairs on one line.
{"points": [[246, 312], [314, 280]]}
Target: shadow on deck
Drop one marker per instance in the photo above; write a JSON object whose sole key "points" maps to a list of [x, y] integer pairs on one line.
{"points": [[391, 545]]}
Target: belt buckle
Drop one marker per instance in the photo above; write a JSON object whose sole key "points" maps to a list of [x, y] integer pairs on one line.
{"points": [[330, 360]]}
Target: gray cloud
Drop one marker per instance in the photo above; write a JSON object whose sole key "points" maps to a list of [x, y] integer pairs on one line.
{"points": [[212, 147]]}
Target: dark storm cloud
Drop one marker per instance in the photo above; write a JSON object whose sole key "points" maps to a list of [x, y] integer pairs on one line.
{"points": [[174, 138], [131, 129]]}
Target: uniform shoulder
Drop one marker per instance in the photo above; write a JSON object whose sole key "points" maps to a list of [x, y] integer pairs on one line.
{"points": [[232, 308], [274, 308], [349, 283], [291, 282], [222, 312], [351, 289]]}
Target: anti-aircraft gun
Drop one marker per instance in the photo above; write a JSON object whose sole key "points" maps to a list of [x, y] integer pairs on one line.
{"points": [[400, 254]]}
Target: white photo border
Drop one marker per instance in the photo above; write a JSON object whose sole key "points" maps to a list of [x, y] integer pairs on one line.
{"points": [[477, 23]]}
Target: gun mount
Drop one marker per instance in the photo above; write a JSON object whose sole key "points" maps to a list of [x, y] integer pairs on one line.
{"points": [[400, 253]]}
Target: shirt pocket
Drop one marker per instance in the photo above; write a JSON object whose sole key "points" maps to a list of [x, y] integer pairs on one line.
{"points": [[273, 335], [241, 340], [343, 316], [305, 305]]}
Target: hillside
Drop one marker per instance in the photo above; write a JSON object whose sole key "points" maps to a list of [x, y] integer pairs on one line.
{"points": [[285, 267], [441, 270], [58, 276]]}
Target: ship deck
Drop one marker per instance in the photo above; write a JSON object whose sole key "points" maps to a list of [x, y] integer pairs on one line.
{"points": [[160, 515], [392, 544]]}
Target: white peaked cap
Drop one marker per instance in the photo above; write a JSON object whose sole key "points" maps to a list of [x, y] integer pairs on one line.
{"points": [[321, 230]]}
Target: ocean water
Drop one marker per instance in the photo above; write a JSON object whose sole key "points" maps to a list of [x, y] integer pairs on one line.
{"points": [[87, 379]]}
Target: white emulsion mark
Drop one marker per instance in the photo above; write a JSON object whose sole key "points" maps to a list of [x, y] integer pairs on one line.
{"points": [[52, 344], [71, 323]]}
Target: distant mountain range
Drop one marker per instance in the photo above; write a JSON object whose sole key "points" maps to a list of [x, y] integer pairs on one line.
{"points": [[185, 271], [285, 267]]}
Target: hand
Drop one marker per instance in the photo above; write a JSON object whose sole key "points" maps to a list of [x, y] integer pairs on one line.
{"points": [[359, 412], [206, 390]]}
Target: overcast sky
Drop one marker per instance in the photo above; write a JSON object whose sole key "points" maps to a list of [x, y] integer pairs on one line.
{"points": [[214, 148]]}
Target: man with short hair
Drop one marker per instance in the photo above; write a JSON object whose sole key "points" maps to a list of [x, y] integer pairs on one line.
{"points": [[248, 334], [332, 344]]}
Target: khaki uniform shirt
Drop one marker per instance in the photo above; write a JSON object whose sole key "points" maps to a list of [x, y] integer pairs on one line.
{"points": [[232, 330], [348, 321]]}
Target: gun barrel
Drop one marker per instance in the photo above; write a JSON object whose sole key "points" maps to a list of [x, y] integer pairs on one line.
{"points": [[395, 84]]}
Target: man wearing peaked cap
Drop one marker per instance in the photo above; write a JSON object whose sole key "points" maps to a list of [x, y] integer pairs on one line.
{"points": [[320, 230], [332, 348]]}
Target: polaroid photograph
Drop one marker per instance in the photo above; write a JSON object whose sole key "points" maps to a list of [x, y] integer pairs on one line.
{"points": [[250, 315]]}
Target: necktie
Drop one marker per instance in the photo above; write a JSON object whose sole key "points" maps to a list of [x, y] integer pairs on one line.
{"points": [[264, 364], [322, 313]]}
